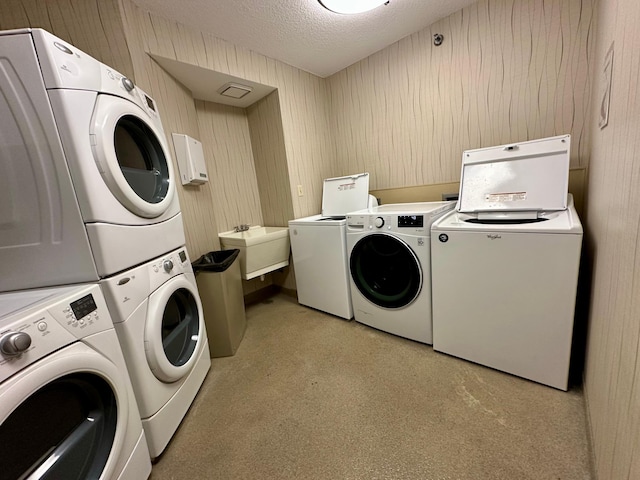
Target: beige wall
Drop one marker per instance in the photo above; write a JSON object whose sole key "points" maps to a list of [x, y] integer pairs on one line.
{"points": [[270, 157], [507, 71], [303, 97], [226, 141], [94, 26], [612, 378]]}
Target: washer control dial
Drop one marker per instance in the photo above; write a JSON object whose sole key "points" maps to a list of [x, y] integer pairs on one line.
{"points": [[167, 265], [379, 222], [14, 343], [127, 84]]}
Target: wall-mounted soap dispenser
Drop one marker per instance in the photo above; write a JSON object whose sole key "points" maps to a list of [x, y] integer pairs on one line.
{"points": [[190, 159]]}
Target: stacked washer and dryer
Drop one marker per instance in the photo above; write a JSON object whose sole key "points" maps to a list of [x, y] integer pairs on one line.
{"points": [[87, 195]]}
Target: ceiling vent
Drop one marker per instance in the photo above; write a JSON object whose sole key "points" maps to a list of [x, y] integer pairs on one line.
{"points": [[234, 90]]}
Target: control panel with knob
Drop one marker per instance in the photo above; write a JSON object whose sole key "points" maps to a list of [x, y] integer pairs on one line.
{"points": [[127, 84], [46, 321], [14, 343], [167, 265], [379, 222]]}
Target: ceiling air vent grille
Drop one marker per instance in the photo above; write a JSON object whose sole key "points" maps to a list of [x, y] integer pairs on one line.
{"points": [[234, 90]]}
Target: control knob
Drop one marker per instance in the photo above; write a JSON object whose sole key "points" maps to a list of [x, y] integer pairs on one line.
{"points": [[127, 84], [379, 222], [167, 265], [14, 343]]}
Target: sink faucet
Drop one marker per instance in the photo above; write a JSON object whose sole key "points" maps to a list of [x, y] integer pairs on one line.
{"points": [[241, 228]]}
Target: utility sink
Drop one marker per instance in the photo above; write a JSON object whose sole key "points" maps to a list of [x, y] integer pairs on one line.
{"points": [[262, 249]]}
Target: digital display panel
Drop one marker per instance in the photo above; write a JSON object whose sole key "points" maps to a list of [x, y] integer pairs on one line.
{"points": [[410, 221], [84, 306], [150, 103], [183, 256]]}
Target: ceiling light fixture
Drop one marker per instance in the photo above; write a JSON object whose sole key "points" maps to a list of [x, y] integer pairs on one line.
{"points": [[352, 6]]}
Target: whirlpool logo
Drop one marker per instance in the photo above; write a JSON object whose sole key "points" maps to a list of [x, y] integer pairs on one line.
{"points": [[494, 236]]}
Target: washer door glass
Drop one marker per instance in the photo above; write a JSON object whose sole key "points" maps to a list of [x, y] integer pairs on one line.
{"points": [[64, 430], [180, 327], [386, 270], [141, 159], [132, 155], [174, 331]]}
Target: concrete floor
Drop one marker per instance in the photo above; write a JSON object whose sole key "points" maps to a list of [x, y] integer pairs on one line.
{"points": [[311, 396]]}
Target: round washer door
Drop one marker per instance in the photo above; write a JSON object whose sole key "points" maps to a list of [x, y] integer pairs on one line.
{"points": [[174, 332], [132, 156], [385, 270], [63, 417]]}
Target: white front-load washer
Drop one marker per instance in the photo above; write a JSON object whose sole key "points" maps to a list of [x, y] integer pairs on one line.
{"points": [[390, 264], [159, 320], [67, 408], [87, 187]]}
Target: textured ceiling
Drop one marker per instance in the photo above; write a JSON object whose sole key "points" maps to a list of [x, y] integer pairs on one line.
{"points": [[303, 33]]}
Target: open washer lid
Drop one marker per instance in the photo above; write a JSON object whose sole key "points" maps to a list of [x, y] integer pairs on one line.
{"points": [[531, 176], [341, 195]]}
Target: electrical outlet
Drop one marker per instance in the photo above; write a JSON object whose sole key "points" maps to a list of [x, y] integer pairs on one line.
{"points": [[300, 191]]}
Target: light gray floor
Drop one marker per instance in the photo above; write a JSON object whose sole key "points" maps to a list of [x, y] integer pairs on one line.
{"points": [[310, 396]]}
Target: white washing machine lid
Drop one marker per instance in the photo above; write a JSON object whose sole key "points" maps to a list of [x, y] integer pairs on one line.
{"points": [[419, 208], [317, 221], [564, 221], [524, 177], [409, 208], [341, 195]]}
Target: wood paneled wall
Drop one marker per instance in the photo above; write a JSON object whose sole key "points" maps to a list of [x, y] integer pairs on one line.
{"points": [[612, 373], [507, 71]]}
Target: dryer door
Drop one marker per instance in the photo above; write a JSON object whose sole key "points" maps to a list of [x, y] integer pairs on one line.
{"points": [[132, 155], [386, 270], [63, 417], [174, 332]]}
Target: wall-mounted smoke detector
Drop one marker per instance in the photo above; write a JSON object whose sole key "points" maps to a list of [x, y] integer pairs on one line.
{"points": [[234, 90]]}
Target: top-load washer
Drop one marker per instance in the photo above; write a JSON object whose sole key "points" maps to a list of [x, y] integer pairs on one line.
{"points": [[87, 187], [390, 264], [67, 408], [505, 262], [319, 246]]}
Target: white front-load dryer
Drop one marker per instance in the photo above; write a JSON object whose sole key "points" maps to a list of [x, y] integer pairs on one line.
{"points": [[159, 320], [390, 265], [86, 179], [67, 408]]}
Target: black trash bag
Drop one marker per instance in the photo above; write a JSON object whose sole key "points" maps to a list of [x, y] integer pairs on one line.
{"points": [[216, 261]]}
